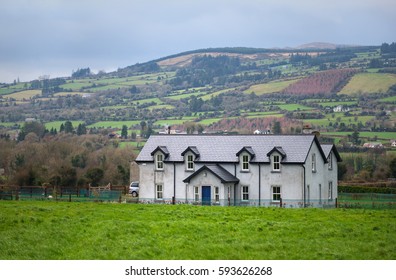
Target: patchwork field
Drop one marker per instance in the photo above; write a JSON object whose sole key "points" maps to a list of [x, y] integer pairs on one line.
{"points": [[34, 230], [271, 87], [369, 83]]}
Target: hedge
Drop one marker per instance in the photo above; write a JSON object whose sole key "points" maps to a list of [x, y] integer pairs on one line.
{"points": [[366, 189]]}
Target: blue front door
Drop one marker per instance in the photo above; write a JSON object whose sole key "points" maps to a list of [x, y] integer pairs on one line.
{"points": [[206, 195]]}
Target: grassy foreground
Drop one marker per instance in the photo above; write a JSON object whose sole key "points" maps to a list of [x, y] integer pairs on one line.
{"points": [[66, 231]]}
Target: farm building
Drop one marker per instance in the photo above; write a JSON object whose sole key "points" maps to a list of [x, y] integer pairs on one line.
{"points": [[249, 170]]}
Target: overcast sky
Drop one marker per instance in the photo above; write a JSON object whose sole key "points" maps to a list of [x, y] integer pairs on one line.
{"points": [[54, 37]]}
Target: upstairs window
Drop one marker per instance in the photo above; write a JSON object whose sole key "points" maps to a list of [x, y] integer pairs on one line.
{"points": [[159, 162], [245, 163], [276, 163], [190, 162], [313, 162]]}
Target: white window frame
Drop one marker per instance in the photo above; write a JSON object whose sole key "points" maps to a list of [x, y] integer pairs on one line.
{"points": [[245, 162], [159, 191], [276, 163], [216, 191], [313, 162], [196, 193], [189, 162], [330, 194], [159, 161], [276, 195], [245, 193]]}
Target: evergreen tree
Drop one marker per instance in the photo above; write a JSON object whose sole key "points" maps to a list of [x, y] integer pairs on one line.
{"points": [[69, 127], [124, 132]]}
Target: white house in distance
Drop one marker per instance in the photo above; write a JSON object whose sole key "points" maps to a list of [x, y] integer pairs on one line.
{"points": [[249, 170]]}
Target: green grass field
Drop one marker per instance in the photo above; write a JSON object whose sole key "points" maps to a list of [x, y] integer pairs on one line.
{"points": [[45, 230], [270, 87], [369, 83]]}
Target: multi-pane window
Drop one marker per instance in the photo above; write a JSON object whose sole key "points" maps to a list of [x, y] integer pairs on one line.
{"points": [[160, 162], [245, 162], [313, 162], [216, 194], [276, 193], [196, 193], [330, 190], [276, 163], [190, 162], [245, 193], [159, 189]]}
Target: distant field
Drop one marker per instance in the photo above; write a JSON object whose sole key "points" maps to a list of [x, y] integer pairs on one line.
{"points": [[57, 124], [66, 93], [369, 83], [185, 95], [294, 107], [161, 106], [270, 87], [216, 93], [114, 124], [366, 134], [100, 84], [342, 119], [25, 94]]}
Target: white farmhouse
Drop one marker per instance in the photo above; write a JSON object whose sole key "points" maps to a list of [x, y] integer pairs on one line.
{"points": [[250, 170]]}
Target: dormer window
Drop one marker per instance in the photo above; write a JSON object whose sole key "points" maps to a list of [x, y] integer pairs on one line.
{"points": [[190, 162], [190, 155], [245, 163], [246, 154], [160, 154], [276, 155], [276, 163], [159, 162]]}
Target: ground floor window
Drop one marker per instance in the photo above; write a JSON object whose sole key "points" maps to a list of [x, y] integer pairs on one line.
{"points": [[308, 194], [276, 193], [330, 190], [159, 189], [216, 194], [196, 193], [320, 193], [245, 193]]}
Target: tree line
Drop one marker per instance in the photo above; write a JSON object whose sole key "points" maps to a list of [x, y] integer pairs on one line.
{"points": [[64, 160]]}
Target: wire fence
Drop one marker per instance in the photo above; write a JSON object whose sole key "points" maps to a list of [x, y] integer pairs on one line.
{"points": [[344, 200], [367, 200], [60, 194]]}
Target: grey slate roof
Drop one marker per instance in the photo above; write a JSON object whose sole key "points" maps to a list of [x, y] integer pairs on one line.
{"points": [[223, 148], [218, 171]]}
